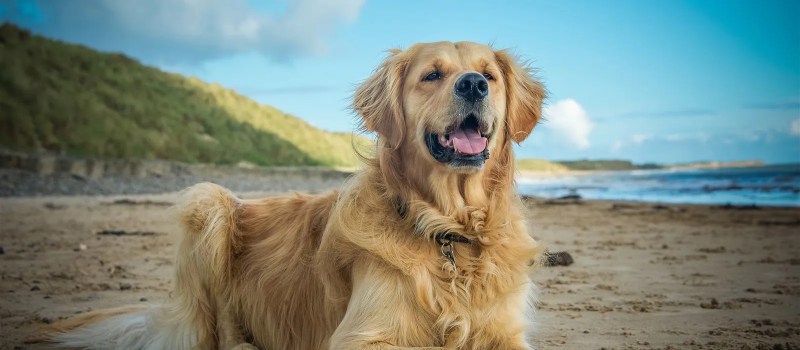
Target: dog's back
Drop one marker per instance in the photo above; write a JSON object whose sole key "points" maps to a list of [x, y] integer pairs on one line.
{"points": [[276, 278], [236, 260]]}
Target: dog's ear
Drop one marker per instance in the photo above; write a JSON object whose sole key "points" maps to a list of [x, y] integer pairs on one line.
{"points": [[524, 95], [379, 99]]}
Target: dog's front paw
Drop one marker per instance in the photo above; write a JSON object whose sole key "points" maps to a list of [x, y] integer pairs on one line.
{"points": [[244, 346], [474, 219]]}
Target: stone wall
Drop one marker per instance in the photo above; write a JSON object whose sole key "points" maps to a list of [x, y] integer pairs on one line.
{"points": [[91, 168]]}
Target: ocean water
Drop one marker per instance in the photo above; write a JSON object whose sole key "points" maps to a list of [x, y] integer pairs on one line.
{"points": [[772, 185]]}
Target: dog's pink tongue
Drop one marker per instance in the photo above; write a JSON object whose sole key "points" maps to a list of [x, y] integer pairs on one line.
{"points": [[468, 141]]}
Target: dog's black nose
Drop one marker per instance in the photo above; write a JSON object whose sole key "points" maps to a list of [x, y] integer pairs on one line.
{"points": [[472, 87]]}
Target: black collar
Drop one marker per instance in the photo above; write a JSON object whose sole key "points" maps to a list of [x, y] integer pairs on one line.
{"points": [[448, 237]]}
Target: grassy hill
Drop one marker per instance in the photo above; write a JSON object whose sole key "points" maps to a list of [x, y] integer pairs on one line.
{"points": [[586, 164], [581, 165], [70, 99], [607, 165], [528, 164]]}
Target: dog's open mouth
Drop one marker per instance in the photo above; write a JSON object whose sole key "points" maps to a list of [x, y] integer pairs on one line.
{"points": [[465, 145]]}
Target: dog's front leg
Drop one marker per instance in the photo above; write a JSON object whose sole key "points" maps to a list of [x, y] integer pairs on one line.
{"points": [[383, 312], [429, 221]]}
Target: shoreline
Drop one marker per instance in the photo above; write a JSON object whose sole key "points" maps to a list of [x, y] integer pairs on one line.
{"points": [[15, 183], [763, 186]]}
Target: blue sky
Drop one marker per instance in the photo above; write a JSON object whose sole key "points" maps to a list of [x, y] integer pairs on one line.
{"points": [[650, 81]]}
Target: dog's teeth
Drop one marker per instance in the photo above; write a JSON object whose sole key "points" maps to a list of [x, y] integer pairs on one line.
{"points": [[445, 141]]}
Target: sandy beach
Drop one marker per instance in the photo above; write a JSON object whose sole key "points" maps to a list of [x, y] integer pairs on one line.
{"points": [[645, 276]]}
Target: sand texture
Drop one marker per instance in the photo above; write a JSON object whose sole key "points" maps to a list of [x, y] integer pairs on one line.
{"points": [[645, 276]]}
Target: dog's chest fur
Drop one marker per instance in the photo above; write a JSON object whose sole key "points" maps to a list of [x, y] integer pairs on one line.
{"points": [[489, 283], [480, 303]]}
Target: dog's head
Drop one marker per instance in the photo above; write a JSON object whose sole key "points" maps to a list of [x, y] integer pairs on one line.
{"points": [[450, 104]]}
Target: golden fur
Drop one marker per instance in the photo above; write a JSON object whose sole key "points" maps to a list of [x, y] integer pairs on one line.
{"points": [[344, 270]]}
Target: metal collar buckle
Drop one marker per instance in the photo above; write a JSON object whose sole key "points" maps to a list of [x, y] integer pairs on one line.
{"points": [[445, 242]]}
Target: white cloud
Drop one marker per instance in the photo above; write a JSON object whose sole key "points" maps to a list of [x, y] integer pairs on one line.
{"points": [[569, 119], [188, 31], [640, 138], [700, 136], [794, 127], [675, 137], [752, 136]]}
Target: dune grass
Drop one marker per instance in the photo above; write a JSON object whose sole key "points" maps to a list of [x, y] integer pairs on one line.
{"points": [[70, 99], [581, 165], [541, 165]]}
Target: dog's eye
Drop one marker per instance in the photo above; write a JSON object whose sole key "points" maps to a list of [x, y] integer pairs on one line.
{"points": [[435, 75], [488, 76]]}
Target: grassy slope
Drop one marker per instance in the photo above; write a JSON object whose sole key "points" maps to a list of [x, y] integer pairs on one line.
{"points": [[581, 165], [598, 165], [70, 99], [540, 165]]}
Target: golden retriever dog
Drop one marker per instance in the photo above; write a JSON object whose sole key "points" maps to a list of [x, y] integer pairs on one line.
{"points": [[425, 248]]}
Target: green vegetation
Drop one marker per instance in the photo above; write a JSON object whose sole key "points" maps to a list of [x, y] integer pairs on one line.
{"points": [[607, 165], [540, 165], [70, 99], [581, 165], [598, 164]]}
